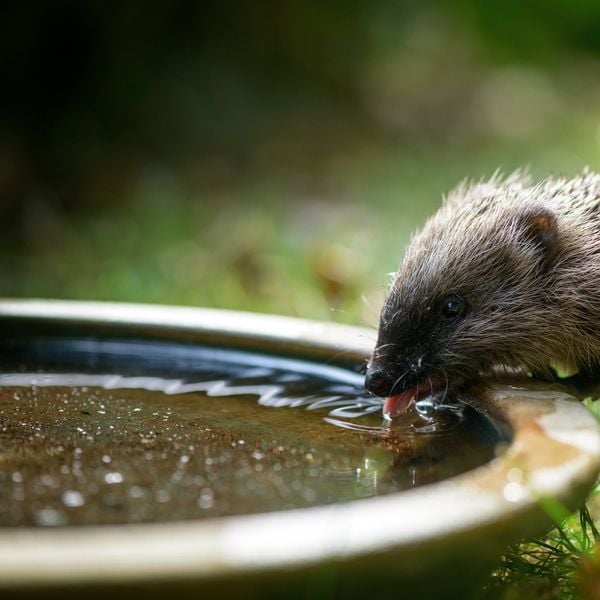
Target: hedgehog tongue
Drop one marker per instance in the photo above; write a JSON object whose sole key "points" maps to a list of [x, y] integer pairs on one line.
{"points": [[396, 405]]}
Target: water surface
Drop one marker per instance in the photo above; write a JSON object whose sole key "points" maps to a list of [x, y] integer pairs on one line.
{"points": [[113, 432]]}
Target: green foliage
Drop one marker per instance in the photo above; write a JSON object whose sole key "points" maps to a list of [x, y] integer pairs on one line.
{"points": [[564, 564], [549, 567]]}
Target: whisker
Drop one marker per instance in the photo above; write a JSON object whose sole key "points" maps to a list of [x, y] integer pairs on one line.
{"points": [[388, 344], [378, 351], [371, 333], [373, 311], [397, 382], [445, 394]]}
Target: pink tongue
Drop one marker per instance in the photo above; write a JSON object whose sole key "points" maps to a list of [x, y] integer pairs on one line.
{"points": [[396, 405]]}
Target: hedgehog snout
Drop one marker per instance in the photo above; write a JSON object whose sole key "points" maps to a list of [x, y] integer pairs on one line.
{"points": [[385, 379], [379, 381]]}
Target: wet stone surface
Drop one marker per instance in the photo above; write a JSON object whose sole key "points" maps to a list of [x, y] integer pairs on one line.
{"points": [[101, 438]]}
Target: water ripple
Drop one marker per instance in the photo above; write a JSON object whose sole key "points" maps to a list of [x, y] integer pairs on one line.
{"points": [[346, 405]]}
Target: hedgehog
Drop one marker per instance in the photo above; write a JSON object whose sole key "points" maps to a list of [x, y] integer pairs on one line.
{"points": [[505, 276]]}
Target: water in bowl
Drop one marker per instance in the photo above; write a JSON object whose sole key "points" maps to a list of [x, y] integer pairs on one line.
{"points": [[109, 432]]}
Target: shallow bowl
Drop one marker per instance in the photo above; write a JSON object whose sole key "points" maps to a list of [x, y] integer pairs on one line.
{"points": [[438, 538]]}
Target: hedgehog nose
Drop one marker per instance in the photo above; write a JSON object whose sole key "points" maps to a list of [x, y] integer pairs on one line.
{"points": [[377, 382]]}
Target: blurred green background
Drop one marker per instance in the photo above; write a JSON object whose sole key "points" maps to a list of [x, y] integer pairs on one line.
{"points": [[270, 156], [275, 156]]}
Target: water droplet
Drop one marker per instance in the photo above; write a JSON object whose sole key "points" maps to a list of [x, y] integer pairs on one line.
{"points": [[113, 477], [48, 481], [513, 492], [73, 499], [49, 517], [162, 496], [136, 491], [206, 499]]}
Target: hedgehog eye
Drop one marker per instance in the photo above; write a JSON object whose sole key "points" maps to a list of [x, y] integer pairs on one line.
{"points": [[453, 307]]}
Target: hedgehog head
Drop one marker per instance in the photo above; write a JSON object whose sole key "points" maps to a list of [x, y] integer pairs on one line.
{"points": [[472, 287]]}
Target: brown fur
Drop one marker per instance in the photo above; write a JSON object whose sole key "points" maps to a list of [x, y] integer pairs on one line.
{"points": [[526, 260]]}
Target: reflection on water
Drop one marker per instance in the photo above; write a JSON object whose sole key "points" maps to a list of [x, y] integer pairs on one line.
{"points": [[344, 403], [115, 432]]}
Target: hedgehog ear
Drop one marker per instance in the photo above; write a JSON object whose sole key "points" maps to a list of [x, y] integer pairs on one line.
{"points": [[541, 228]]}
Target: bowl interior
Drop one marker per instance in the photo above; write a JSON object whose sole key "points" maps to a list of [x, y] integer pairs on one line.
{"points": [[111, 431]]}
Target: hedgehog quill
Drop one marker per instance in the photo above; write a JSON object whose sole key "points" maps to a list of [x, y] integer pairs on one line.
{"points": [[506, 275]]}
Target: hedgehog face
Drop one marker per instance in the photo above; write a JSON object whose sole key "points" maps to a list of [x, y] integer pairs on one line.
{"points": [[454, 312], [416, 346]]}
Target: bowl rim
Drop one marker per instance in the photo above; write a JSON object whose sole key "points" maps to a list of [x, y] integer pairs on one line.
{"points": [[508, 488]]}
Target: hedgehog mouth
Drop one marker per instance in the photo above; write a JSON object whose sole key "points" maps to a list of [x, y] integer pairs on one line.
{"points": [[398, 404]]}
